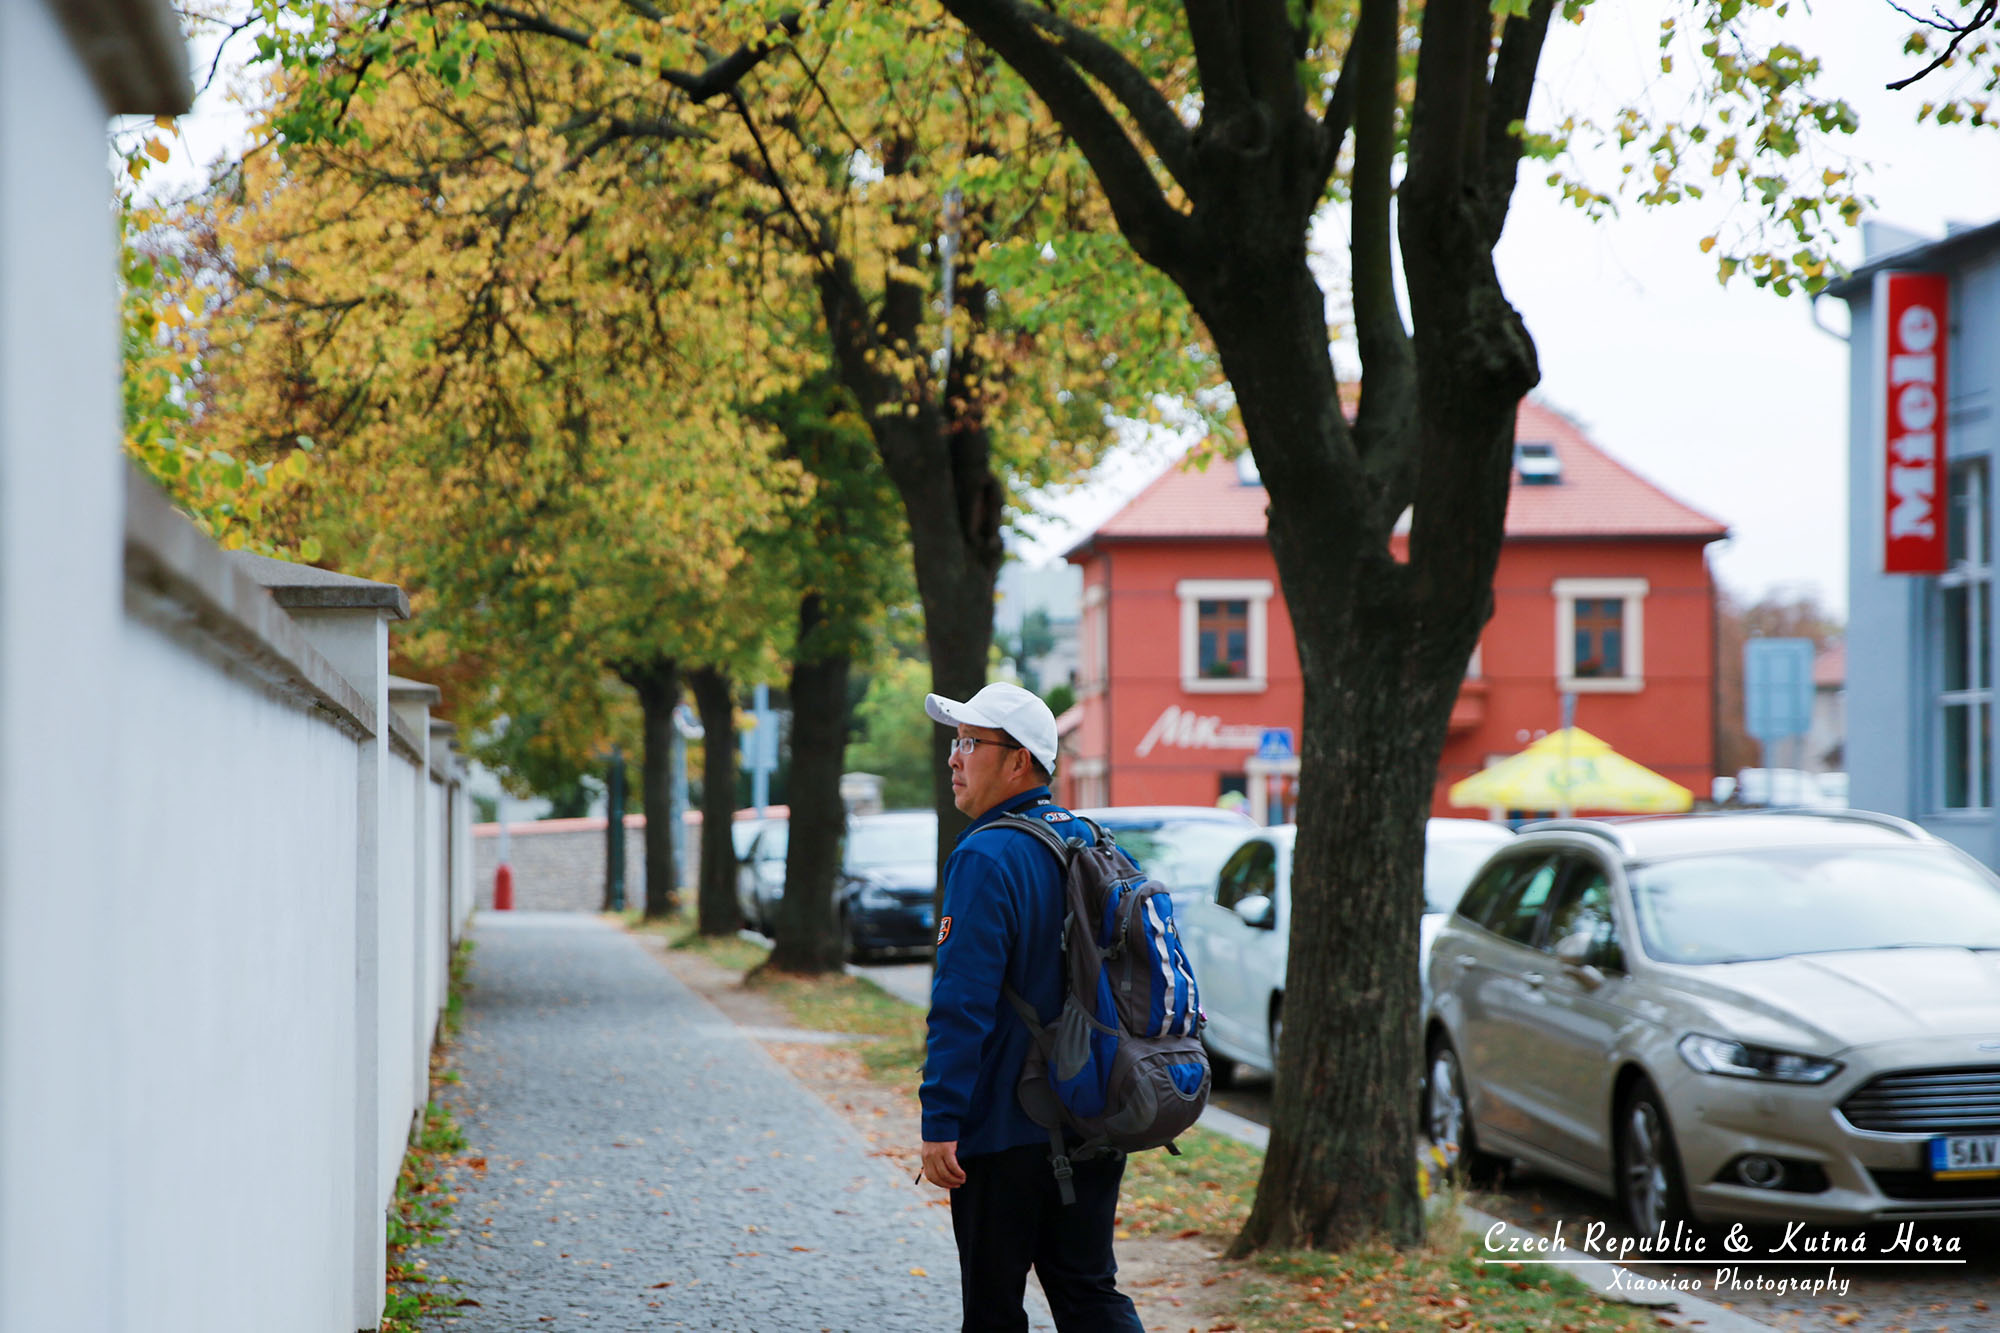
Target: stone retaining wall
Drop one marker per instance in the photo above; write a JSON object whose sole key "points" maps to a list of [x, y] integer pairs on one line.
{"points": [[558, 864]]}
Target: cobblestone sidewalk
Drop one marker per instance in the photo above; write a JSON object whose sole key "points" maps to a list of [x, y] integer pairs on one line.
{"points": [[650, 1167]]}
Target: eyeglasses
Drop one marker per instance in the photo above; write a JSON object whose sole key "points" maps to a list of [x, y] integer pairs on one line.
{"points": [[966, 744]]}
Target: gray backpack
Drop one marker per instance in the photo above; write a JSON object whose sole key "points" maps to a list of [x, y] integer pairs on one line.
{"points": [[1122, 1067]]}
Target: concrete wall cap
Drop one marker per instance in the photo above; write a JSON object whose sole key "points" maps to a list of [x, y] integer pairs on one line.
{"points": [[302, 587], [404, 741], [403, 688], [134, 52], [178, 578]]}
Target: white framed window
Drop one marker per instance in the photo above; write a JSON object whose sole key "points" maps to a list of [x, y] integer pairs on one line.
{"points": [[1601, 635], [1223, 635], [1964, 610]]}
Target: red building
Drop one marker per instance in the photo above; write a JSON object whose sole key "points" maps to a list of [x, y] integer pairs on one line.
{"points": [[1188, 659]]}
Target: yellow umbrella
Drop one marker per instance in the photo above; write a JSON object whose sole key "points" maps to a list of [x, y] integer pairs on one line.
{"points": [[1571, 770]]}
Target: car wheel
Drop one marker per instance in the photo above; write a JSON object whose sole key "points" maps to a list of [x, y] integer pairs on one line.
{"points": [[1651, 1189], [851, 948], [1448, 1120]]}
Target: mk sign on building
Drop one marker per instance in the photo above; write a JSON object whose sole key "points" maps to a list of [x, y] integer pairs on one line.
{"points": [[1912, 309]]}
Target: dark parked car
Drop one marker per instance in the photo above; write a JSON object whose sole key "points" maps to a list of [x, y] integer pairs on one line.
{"points": [[888, 883]]}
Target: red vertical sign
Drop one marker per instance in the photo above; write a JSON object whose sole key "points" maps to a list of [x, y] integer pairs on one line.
{"points": [[1912, 332]]}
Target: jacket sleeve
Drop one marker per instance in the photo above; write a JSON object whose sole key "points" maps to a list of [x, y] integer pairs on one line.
{"points": [[979, 901]]}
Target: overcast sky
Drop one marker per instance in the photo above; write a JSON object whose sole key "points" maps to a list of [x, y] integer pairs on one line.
{"points": [[1729, 398]]}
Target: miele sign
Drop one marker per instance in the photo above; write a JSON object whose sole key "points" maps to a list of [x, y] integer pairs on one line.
{"points": [[1912, 331]]}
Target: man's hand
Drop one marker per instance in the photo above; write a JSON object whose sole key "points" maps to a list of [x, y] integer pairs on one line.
{"points": [[941, 1166]]}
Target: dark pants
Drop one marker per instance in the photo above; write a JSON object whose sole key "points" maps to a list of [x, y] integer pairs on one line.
{"points": [[1008, 1217]]}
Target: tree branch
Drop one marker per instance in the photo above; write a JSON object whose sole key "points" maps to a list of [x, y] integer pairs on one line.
{"points": [[1381, 433], [1334, 123], [809, 235], [1159, 234], [1513, 86], [1981, 16], [1218, 57], [720, 77], [1450, 61], [1266, 38], [1164, 132]]}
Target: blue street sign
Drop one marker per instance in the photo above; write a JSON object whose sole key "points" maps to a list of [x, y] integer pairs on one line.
{"points": [[1275, 743], [1777, 688]]}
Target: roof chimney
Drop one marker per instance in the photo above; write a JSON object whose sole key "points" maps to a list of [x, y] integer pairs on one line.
{"points": [[1536, 464]]}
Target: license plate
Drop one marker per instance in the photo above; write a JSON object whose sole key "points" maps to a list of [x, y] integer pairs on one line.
{"points": [[1966, 1157]]}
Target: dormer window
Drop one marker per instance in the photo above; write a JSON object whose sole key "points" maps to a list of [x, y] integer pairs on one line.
{"points": [[1536, 464]]}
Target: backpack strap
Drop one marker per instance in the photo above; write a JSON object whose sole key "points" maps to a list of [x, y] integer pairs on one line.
{"points": [[1048, 837]]}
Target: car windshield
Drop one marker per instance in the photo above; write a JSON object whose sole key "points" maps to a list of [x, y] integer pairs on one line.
{"points": [[1182, 854], [1448, 868], [891, 842], [1743, 906]]}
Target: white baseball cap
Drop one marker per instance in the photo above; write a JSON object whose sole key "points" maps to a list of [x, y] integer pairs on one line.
{"points": [[1007, 708]]}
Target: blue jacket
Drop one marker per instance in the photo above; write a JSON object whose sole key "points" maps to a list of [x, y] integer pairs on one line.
{"points": [[1002, 921]]}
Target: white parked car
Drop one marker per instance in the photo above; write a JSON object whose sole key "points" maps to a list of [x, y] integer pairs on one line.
{"points": [[1237, 935], [1181, 846]]}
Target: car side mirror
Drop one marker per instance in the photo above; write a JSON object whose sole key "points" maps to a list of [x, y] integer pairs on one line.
{"points": [[1257, 910]]}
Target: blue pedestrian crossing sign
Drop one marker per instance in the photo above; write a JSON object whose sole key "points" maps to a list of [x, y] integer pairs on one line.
{"points": [[1276, 743]]}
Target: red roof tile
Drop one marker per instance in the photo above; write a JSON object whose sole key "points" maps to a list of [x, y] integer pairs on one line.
{"points": [[1597, 497]]}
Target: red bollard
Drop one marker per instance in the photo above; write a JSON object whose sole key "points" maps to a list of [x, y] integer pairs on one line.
{"points": [[503, 888]]}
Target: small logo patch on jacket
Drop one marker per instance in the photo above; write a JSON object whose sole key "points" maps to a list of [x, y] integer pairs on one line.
{"points": [[1056, 816], [944, 930]]}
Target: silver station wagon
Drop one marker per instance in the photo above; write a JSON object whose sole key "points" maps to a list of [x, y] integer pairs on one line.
{"points": [[1762, 1017]]}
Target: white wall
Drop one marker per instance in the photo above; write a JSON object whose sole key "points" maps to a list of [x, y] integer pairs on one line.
{"points": [[217, 970], [232, 917], [59, 613], [398, 1090]]}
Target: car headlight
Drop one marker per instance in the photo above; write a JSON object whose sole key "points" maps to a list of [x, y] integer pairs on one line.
{"points": [[1718, 1055]]}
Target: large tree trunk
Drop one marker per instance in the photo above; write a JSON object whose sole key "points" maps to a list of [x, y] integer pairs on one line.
{"points": [[715, 898], [809, 935], [658, 685], [1382, 647]]}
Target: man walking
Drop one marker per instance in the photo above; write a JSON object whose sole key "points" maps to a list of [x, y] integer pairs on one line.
{"points": [[1002, 925]]}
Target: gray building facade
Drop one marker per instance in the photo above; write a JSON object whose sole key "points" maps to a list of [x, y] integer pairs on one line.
{"points": [[1920, 646]]}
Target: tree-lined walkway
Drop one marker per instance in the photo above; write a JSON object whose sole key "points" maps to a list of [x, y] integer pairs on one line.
{"points": [[648, 1166]]}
